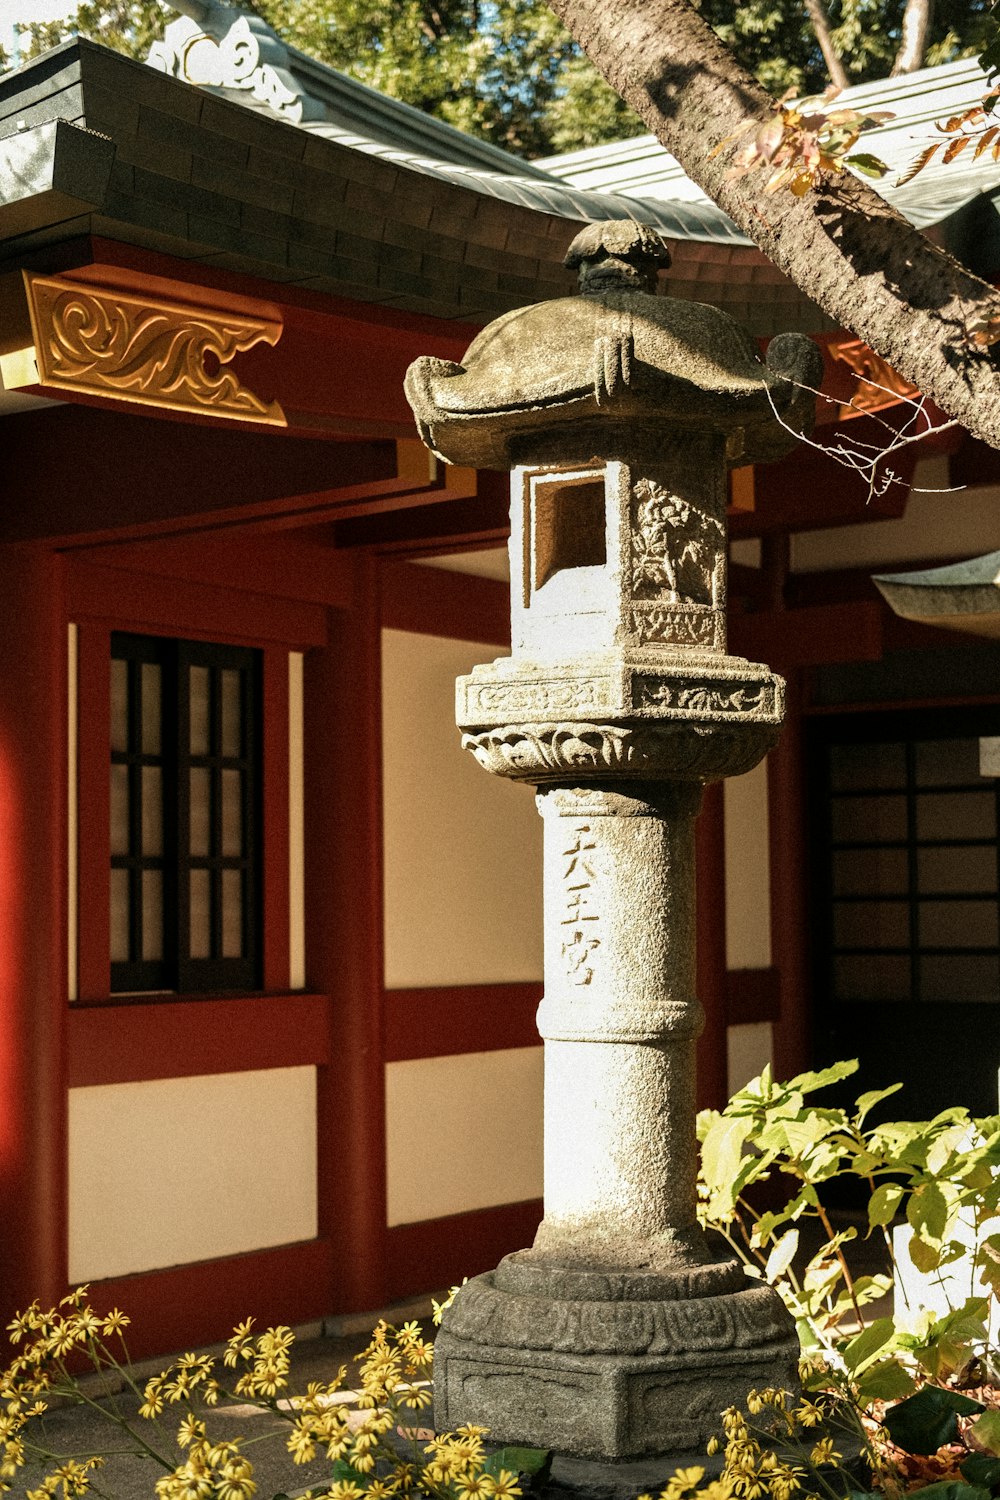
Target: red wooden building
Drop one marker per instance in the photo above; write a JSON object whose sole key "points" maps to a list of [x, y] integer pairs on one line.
{"points": [[271, 948]]}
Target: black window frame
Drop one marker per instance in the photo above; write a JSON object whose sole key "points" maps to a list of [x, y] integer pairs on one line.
{"points": [[908, 728], [177, 971]]}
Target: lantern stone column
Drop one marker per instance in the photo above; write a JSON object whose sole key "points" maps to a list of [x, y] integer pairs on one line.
{"points": [[617, 1334]]}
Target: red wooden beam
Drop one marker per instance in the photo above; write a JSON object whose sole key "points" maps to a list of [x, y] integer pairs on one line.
{"points": [[809, 490], [280, 566], [133, 1042], [204, 1301], [344, 926], [460, 1018], [338, 365], [790, 638], [753, 995], [437, 1253], [437, 601], [174, 606], [76, 472], [448, 526], [33, 953]]}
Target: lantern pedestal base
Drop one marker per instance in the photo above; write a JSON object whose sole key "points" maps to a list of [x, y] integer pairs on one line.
{"points": [[614, 1375]]}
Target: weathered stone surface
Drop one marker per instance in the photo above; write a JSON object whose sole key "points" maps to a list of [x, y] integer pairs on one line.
{"points": [[603, 1405], [628, 353], [617, 1335]]}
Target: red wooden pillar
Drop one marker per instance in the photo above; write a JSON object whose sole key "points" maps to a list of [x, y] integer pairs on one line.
{"points": [[713, 1065], [33, 961], [344, 941], [789, 949]]}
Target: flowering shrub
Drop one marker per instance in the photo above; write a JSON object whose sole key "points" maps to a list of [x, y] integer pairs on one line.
{"points": [[367, 1435]]}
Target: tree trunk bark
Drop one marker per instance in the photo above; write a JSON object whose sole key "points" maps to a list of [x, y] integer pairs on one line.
{"points": [[858, 259], [820, 25], [913, 36]]}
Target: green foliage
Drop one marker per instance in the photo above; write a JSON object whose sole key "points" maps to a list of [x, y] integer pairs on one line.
{"points": [[130, 26], [507, 71], [924, 1422], [891, 1386], [940, 1176], [776, 43]]}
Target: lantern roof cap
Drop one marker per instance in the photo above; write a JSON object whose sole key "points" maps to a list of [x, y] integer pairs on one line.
{"points": [[598, 370]]}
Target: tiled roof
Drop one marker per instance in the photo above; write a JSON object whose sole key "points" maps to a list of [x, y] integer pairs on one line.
{"points": [[289, 193], [916, 100]]}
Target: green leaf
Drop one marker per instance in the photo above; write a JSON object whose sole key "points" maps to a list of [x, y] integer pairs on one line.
{"points": [[883, 1203], [534, 1463], [925, 1422], [885, 1381], [979, 1468], [808, 1083], [781, 1256], [988, 1262], [870, 166], [342, 1470], [944, 1148], [862, 1349], [721, 1155], [985, 1431], [927, 1211], [951, 1489], [868, 1101], [925, 1257]]}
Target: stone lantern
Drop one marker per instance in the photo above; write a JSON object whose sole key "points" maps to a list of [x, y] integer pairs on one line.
{"points": [[618, 1334]]}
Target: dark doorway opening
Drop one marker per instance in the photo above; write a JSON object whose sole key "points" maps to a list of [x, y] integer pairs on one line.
{"points": [[905, 926]]}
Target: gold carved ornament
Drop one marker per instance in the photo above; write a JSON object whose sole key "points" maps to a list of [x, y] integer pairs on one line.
{"points": [[101, 341], [878, 385]]}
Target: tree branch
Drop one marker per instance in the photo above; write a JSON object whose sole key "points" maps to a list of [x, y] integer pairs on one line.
{"points": [[821, 26], [856, 257], [914, 29]]}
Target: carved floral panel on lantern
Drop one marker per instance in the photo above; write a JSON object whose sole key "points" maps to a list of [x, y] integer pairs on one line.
{"points": [[678, 550]]}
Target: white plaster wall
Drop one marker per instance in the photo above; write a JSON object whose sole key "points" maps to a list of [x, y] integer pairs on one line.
{"points": [[748, 874], [187, 1169], [463, 849], [748, 910], [748, 1050], [463, 1133], [962, 524]]}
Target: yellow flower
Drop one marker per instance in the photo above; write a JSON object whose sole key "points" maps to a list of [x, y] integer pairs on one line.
{"points": [[152, 1406], [301, 1442], [824, 1453], [808, 1413], [712, 1446], [237, 1489], [503, 1487], [474, 1487], [114, 1322], [190, 1431]]}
